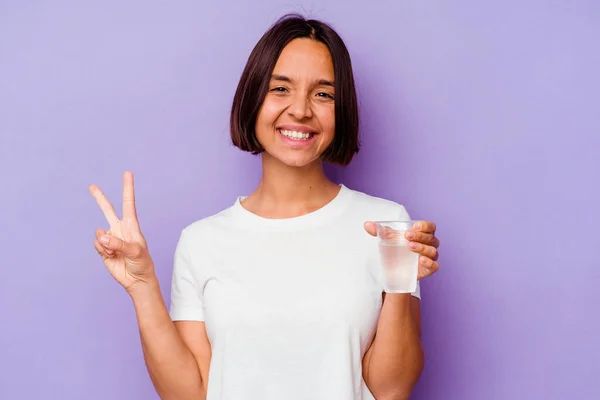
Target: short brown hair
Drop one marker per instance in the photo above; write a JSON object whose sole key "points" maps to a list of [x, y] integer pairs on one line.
{"points": [[254, 84]]}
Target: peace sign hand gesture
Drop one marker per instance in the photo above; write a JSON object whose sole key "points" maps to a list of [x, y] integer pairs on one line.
{"points": [[123, 247]]}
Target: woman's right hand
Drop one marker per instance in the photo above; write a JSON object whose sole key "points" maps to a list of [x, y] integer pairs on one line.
{"points": [[123, 247]]}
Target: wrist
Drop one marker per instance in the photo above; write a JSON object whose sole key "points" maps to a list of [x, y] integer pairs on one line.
{"points": [[141, 289]]}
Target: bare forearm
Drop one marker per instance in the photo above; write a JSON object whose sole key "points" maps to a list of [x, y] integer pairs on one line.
{"points": [[172, 366], [393, 363]]}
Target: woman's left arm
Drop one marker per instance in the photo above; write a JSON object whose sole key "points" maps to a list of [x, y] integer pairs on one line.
{"points": [[393, 363]]}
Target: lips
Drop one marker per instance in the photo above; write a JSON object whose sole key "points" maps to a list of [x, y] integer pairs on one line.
{"points": [[297, 139], [296, 135], [296, 132]]}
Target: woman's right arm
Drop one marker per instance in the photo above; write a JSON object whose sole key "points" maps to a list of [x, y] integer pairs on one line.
{"points": [[177, 354], [177, 358]]}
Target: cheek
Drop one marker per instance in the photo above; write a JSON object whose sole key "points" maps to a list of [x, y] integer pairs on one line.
{"points": [[327, 120], [264, 121], [269, 112]]}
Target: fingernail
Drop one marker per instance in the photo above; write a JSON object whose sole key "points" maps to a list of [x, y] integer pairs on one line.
{"points": [[410, 234], [104, 239], [412, 245], [417, 226], [423, 260]]}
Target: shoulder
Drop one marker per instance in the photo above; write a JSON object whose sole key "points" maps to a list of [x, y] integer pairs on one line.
{"points": [[204, 226], [378, 208]]}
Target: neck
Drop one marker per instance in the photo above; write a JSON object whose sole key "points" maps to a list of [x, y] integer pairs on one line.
{"points": [[285, 191]]}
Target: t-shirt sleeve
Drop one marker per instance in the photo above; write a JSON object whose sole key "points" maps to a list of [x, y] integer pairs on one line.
{"points": [[186, 290], [405, 217]]}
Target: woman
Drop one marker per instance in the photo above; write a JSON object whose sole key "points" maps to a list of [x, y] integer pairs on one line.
{"points": [[277, 296]]}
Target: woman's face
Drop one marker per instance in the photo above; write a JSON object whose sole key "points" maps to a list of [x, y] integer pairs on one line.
{"points": [[296, 122]]}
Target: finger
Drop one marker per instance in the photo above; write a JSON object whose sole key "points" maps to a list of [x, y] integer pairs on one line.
{"points": [[101, 250], [425, 226], [428, 267], [105, 206], [99, 234], [128, 249], [424, 250], [424, 238], [371, 228], [128, 197], [384, 232]]}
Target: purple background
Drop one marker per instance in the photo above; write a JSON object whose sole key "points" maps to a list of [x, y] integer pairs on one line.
{"points": [[482, 118]]}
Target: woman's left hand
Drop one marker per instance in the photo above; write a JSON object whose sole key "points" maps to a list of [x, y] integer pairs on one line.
{"points": [[422, 240]]}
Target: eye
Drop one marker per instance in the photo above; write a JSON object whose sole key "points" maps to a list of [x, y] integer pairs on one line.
{"points": [[278, 89], [325, 95]]}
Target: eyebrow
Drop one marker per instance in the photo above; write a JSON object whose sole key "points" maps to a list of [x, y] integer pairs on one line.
{"points": [[284, 78]]}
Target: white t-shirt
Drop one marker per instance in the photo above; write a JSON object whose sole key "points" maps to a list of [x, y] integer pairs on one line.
{"points": [[290, 305]]}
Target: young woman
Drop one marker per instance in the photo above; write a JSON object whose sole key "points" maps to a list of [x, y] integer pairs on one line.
{"points": [[278, 296]]}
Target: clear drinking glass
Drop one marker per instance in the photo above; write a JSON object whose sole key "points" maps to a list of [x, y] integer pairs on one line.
{"points": [[399, 264]]}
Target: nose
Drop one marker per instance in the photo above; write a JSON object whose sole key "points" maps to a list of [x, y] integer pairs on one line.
{"points": [[300, 107]]}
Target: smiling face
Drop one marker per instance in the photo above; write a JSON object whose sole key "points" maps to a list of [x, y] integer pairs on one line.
{"points": [[296, 122]]}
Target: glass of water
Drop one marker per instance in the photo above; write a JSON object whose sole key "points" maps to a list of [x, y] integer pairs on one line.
{"points": [[399, 264]]}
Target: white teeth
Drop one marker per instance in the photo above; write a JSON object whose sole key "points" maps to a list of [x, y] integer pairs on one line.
{"points": [[295, 135]]}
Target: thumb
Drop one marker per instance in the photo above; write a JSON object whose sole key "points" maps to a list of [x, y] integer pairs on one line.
{"points": [[116, 244], [100, 233], [371, 228]]}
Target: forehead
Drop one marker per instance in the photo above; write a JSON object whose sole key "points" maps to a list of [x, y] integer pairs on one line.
{"points": [[305, 57]]}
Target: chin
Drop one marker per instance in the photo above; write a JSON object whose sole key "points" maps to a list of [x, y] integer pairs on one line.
{"points": [[298, 163], [296, 160]]}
